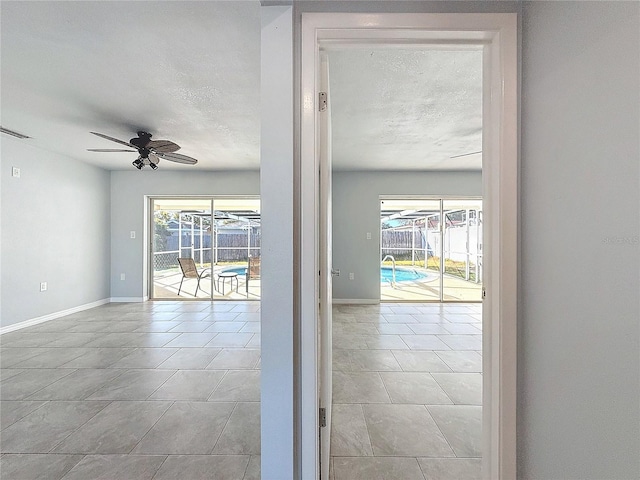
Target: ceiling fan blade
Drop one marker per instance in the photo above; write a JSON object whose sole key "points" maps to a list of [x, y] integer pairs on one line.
{"points": [[178, 158], [121, 142], [162, 146], [108, 150], [466, 154], [154, 158]]}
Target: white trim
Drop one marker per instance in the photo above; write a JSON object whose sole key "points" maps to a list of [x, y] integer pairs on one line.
{"points": [[128, 299], [497, 33], [52, 316], [355, 301]]}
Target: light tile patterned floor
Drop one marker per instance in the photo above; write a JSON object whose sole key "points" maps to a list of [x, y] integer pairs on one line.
{"points": [[170, 390], [156, 390], [407, 392]]}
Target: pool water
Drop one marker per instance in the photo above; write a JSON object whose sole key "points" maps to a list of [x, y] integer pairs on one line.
{"points": [[238, 270], [402, 275]]}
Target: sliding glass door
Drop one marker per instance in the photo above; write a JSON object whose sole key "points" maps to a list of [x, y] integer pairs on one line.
{"points": [[431, 249], [205, 248]]}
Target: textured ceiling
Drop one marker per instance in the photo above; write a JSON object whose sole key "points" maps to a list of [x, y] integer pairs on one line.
{"points": [[184, 71], [406, 109], [189, 72]]}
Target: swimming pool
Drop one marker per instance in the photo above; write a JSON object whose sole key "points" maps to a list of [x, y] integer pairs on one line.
{"points": [[402, 275], [386, 274], [238, 270]]}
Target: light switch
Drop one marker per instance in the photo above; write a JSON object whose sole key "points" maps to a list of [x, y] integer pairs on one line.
{"points": [[15, 172], [133, 234], [368, 235]]}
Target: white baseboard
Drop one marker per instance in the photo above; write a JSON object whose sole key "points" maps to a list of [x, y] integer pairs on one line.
{"points": [[355, 301], [127, 299], [52, 316]]}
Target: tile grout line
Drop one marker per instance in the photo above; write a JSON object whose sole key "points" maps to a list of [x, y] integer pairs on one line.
{"points": [[159, 467], [224, 428], [171, 404], [76, 429]]}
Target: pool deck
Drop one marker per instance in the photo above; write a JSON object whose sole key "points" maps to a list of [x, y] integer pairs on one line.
{"points": [[428, 290]]}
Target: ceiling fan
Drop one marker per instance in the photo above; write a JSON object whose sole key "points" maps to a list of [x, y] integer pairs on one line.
{"points": [[150, 151]]}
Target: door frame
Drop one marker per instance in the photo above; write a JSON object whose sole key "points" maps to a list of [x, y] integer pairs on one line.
{"points": [[497, 33]]}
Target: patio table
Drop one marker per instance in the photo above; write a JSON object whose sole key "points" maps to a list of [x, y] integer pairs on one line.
{"points": [[231, 276]]}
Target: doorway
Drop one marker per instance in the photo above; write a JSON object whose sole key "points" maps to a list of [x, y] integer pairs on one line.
{"points": [[496, 33], [394, 405]]}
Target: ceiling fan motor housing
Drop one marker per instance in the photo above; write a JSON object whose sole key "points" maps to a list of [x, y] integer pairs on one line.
{"points": [[141, 140]]}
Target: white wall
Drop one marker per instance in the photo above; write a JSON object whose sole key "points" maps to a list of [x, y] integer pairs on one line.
{"points": [[579, 398], [55, 229], [128, 190], [356, 211]]}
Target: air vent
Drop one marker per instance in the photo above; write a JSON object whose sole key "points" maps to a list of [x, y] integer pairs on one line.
{"points": [[12, 133]]}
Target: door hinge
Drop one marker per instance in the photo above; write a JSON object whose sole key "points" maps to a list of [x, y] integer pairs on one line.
{"points": [[322, 101], [484, 293], [323, 417]]}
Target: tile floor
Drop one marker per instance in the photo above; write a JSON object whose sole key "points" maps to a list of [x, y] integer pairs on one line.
{"points": [[170, 390], [407, 392], [157, 390]]}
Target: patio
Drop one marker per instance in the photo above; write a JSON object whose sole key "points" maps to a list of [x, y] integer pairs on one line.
{"points": [[167, 283]]}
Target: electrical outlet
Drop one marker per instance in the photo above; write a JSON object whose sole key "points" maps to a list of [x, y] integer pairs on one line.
{"points": [[123, 276], [368, 235], [132, 234], [351, 276], [43, 286], [15, 172]]}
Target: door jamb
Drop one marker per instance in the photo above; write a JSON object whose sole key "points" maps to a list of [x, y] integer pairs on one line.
{"points": [[498, 33]]}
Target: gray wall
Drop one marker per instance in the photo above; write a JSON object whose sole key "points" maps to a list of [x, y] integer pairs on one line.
{"points": [[128, 190], [578, 400], [578, 320], [356, 211], [276, 270], [55, 229]]}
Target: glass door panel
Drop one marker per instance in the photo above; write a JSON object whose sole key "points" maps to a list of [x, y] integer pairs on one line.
{"points": [[462, 250], [236, 248], [181, 228], [410, 250]]}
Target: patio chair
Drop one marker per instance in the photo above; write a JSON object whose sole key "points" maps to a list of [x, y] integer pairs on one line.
{"points": [[189, 270], [253, 271]]}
